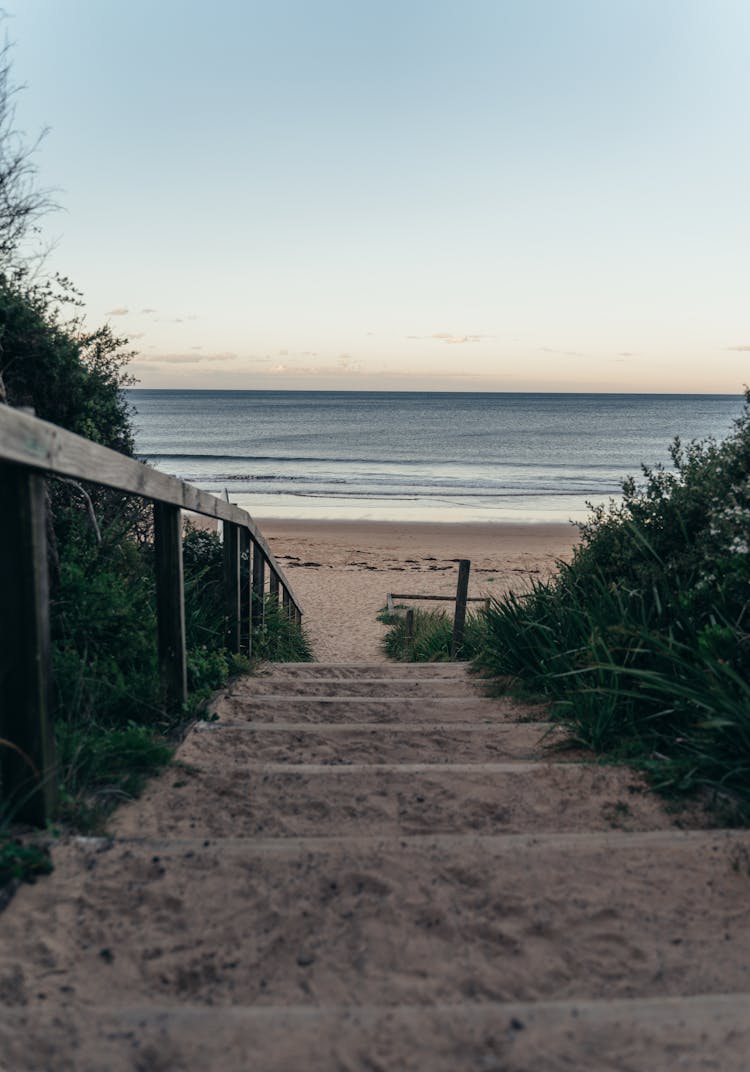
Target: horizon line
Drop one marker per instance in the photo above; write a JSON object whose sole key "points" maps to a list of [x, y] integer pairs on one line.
{"points": [[430, 391]]}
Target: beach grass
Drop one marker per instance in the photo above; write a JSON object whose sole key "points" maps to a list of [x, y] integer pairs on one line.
{"points": [[431, 636]]}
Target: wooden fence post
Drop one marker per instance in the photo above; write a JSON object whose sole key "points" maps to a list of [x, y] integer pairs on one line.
{"points": [[459, 621], [273, 582], [246, 638], [232, 585], [27, 750], [170, 603], [409, 629], [286, 602], [259, 583]]}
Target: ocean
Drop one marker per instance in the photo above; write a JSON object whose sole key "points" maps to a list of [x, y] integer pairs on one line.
{"points": [[414, 456]]}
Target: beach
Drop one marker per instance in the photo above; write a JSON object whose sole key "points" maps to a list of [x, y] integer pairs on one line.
{"points": [[342, 571]]}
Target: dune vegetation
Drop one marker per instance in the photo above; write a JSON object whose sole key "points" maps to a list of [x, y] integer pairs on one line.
{"points": [[112, 727], [641, 643]]}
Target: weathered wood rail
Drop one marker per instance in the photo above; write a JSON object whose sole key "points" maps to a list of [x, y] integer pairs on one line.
{"points": [[30, 451], [461, 598]]}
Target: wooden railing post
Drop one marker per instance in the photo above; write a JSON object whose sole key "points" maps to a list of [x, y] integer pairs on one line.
{"points": [[27, 748], [259, 584], [30, 447], [273, 582], [409, 622], [246, 638], [232, 613], [459, 621], [170, 603]]}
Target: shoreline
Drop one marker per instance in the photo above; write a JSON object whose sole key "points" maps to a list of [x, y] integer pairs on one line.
{"points": [[479, 526]]}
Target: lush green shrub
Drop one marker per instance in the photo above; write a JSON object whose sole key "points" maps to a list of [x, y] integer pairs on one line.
{"points": [[68, 374], [104, 632], [204, 590], [642, 642]]}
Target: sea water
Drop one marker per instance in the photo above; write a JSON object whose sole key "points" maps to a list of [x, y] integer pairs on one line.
{"points": [[418, 456]]}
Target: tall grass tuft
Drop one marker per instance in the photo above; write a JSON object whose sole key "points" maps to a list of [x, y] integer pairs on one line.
{"points": [[432, 636], [280, 639]]}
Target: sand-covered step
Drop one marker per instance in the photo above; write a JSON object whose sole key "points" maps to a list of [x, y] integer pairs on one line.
{"points": [[251, 742], [354, 671], [338, 687], [357, 923], [700, 1033], [286, 800], [233, 708]]}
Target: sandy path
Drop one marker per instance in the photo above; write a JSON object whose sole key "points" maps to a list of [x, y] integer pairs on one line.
{"points": [[342, 570], [379, 867], [318, 885]]}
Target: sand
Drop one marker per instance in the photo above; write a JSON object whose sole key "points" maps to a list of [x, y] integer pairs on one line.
{"points": [[382, 867], [341, 571], [446, 892]]}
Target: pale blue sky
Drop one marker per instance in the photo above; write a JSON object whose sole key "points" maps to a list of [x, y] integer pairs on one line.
{"points": [[542, 194]]}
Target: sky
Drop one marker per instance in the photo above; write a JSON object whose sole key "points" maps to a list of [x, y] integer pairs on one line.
{"points": [[495, 195]]}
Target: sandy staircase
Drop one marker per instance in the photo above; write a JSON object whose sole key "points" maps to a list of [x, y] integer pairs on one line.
{"points": [[380, 868]]}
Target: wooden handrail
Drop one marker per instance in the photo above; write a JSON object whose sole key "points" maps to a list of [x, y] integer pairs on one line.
{"points": [[443, 599], [31, 449], [47, 448]]}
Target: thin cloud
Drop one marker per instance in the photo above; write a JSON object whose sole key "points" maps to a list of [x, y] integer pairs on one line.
{"points": [[188, 359], [148, 311], [291, 353], [563, 353], [119, 311], [450, 338], [345, 367], [740, 349]]}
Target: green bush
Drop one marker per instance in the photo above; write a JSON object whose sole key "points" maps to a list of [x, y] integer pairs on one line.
{"points": [[641, 643], [68, 374], [104, 633]]}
